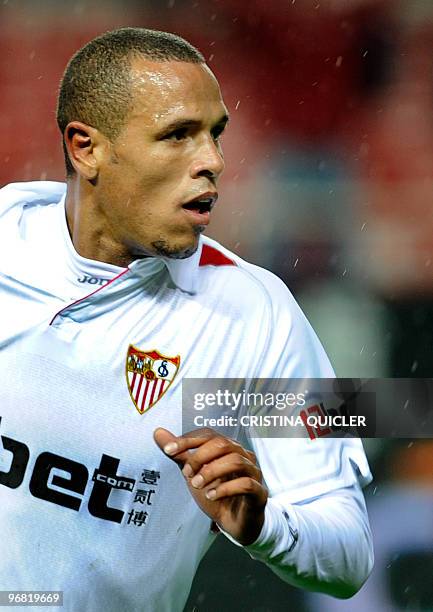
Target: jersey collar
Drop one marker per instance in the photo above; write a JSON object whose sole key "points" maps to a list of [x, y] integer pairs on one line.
{"points": [[183, 272]]}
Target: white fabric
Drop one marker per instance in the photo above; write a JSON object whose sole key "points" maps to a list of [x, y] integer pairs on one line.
{"points": [[401, 522], [330, 533], [63, 347]]}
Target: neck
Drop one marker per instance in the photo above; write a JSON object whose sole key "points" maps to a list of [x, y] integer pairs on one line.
{"points": [[87, 227]]}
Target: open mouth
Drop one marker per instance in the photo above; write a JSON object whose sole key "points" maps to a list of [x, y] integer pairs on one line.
{"points": [[200, 207]]}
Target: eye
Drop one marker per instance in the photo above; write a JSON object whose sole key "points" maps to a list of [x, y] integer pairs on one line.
{"points": [[178, 135], [217, 132]]}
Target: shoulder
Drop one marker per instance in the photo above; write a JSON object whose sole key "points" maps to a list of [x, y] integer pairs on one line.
{"points": [[26, 217], [18, 195], [239, 277], [293, 349], [22, 201]]}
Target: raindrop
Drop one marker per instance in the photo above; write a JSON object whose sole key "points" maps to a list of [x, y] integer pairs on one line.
{"points": [[237, 104], [363, 227], [339, 61], [414, 367], [364, 149], [296, 262]]}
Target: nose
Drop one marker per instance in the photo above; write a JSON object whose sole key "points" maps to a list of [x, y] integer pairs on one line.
{"points": [[208, 161]]}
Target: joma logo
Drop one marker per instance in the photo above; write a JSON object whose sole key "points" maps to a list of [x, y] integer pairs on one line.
{"points": [[92, 280]]}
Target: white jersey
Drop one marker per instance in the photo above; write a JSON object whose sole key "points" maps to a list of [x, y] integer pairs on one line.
{"points": [[89, 504]]}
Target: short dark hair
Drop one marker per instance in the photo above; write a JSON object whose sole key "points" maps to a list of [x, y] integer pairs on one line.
{"points": [[95, 87]]}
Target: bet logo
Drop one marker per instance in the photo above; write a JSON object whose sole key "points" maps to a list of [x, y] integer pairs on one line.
{"points": [[44, 477]]}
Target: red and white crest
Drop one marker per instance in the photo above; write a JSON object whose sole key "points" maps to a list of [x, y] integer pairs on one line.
{"points": [[149, 374]]}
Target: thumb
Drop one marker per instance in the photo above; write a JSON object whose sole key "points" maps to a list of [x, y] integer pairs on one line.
{"points": [[163, 438], [167, 442]]}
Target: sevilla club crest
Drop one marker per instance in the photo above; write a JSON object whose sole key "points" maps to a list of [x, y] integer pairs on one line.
{"points": [[149, 374]]}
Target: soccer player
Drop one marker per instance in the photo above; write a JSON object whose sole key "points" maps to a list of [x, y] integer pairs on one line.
{"points": [[109, 297]]}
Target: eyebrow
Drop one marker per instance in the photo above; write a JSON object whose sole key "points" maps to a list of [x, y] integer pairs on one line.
{"points": [[181, 124]]}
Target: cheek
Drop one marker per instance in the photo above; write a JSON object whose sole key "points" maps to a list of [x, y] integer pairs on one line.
{"points": [[140, 183]]}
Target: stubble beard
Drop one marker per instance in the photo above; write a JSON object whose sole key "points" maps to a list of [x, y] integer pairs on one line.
{"points": [[163, 249]]}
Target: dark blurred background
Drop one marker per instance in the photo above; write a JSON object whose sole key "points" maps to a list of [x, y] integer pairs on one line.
{"points": [[329, 183]]}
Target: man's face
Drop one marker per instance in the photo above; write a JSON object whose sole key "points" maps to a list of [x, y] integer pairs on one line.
{"points": [[157, 186]]}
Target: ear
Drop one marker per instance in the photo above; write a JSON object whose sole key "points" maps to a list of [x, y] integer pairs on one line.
{"points": [[87, 148]]}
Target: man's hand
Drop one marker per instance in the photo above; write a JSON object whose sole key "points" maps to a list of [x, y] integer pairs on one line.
{"points": [[223, 478]]}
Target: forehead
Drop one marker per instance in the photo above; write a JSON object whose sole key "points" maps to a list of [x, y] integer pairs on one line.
{"points": [[161, 90]]}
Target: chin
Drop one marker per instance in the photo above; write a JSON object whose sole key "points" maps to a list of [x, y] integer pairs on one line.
{"points": [[174, 251]]}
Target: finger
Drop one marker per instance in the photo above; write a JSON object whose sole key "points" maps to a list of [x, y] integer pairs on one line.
{"points": [[240, 486], [178, 448], [214, 484], [208, 446], [201, 432], [233, 464], [165, 439], [215, 447], [174, 445], [167, 442], [252, 457]]}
